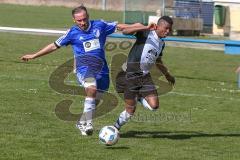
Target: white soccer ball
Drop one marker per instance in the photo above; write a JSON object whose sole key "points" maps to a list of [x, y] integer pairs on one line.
{"points": [[109, 135]]}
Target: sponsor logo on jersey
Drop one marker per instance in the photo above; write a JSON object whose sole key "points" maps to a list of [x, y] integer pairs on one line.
{"points": [[87, 44]]}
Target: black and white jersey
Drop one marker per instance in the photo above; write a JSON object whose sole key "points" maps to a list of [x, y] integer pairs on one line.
{"points": [[144, 53]]}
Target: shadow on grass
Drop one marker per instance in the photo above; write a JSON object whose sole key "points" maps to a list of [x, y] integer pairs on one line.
{"points": [[116, 148], [177, 135]]}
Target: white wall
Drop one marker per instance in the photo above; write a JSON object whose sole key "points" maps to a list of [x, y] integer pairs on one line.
{"points": [[232, 21]]}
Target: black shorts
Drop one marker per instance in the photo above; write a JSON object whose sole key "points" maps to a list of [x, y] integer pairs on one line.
{"points": [[135, 86]]}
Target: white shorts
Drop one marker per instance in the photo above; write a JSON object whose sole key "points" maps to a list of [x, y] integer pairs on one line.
{"points": [[86, 82]]}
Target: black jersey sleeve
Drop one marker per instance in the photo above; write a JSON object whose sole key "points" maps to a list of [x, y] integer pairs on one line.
{"points": [[141, 35], [163, 46]]}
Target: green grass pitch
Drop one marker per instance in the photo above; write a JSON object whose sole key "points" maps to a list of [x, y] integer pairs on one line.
{"points": [[197, 120]]}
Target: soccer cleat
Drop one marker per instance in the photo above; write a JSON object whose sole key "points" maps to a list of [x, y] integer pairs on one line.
{"points": [[81, 127], [89, 129]]}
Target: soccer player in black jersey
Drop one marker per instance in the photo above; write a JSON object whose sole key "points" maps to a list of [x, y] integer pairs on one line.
{"points": [[146, 52]]}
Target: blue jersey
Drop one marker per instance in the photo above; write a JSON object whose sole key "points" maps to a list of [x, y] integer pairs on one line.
{"points": [[88, 46]]}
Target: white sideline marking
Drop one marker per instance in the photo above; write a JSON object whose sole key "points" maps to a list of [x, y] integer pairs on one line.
{"points": [[201, 95], [32, 30]]}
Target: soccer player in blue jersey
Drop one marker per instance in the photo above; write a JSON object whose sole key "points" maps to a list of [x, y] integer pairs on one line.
{"points": [[87, 39]]}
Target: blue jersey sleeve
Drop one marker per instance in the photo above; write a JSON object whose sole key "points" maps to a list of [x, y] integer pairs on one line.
{"points": [[110, 27], [64, 40]]}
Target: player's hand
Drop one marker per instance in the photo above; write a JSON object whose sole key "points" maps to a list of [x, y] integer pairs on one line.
{"points": [[27, 57], [170, 79], [152, 26]]}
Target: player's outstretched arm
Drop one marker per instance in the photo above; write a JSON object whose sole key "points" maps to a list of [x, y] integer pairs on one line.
{"points": [[46, 50], [138, 27], [165, 71], [123, 26]]}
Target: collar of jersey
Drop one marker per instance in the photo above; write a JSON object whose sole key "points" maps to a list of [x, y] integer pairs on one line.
{"points": [[89, 22]]}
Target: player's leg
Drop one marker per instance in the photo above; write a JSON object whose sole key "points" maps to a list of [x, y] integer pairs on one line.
{"points": [[149, 94], [125, 116], [88, 68], [90, 105], [94, 96], [130, 94], [85, 122]]}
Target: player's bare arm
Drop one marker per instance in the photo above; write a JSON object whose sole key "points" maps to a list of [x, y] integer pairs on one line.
{"points": [[121, 27], [165, 71], [138, 27], [46, 50]]}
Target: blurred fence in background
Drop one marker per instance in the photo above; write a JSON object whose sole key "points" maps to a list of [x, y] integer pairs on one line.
{"points": [[189, 15]]}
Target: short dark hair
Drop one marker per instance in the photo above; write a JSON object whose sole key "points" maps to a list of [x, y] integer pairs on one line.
{"points": [[165, 18], [79, 9]]}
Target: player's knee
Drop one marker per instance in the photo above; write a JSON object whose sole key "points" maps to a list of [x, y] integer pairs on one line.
{"points": [[91, 91], [130, 109], [155, 107], [149, 105]]}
